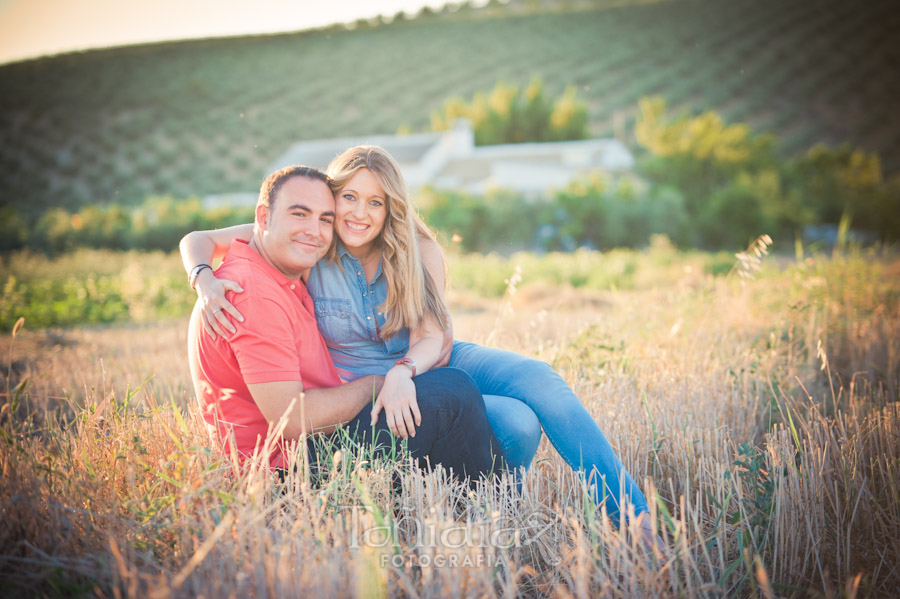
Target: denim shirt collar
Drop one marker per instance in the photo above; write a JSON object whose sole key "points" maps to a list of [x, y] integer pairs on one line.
{"points": [[344, 255]]}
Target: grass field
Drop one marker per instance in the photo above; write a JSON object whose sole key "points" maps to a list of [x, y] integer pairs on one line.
{"points": [[759, 409], [203, 117]]}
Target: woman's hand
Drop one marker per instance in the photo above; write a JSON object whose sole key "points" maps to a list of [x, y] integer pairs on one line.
{"points": [[214, 305], [398, 400]]}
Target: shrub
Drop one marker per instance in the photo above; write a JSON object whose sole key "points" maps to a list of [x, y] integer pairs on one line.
{"points": [[829, 183], [698, 154], [157, 224], [54, 232], [507, 115], [728, 177], [12, 230], [737, 212], [606, 213], [597, 212], [456, 214]]}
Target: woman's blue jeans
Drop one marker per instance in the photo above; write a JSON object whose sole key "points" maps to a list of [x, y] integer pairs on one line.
{"points": [[523, 395]]}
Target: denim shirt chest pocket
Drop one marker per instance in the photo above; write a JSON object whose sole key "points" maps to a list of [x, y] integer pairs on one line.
{"points": [[399, 343], [333, 315]]}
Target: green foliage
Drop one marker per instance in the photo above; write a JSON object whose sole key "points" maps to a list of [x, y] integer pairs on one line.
{"points": [[480, 223], [112, 126], [508, 115], [660, 263], [760, 487], [698, 155], [735, 187], [12, 230], [458, 216], [103, 286], [71, 300], [741, 209], [569, 119], [92, 287], [596, 212], [606, 213], [157, 224], [832, 183]]}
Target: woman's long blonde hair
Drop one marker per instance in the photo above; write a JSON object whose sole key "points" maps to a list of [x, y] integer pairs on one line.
{"points": [[411, 291]]}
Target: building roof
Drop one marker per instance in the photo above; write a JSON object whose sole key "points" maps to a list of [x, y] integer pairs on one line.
{"points": [[450, 159]]}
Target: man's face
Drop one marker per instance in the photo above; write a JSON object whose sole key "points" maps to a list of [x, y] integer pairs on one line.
{"points": [[297, 231]]}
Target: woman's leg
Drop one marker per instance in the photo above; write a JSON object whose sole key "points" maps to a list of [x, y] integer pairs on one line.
{"points": [[516, 427], [565, 420]]}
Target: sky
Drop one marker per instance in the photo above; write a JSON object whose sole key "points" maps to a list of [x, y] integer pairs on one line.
{"points": [[32, 28]]}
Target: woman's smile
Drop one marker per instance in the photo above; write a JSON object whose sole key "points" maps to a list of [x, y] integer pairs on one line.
{"points": [[360, 211], [355, 227]]}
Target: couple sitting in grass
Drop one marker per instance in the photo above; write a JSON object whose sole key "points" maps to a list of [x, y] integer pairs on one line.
{"points": [[302, 324]]}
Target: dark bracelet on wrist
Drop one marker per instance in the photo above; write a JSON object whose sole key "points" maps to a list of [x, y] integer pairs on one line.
{"points": [[195, 272]]}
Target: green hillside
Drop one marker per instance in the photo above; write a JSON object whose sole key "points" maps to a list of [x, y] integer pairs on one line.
{"points": [[202, 117]]}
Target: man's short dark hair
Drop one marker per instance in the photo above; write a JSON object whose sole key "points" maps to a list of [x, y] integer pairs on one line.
{"points": [[271, 186]]}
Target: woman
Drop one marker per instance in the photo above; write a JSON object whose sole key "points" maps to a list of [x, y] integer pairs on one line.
{"points": [[379, 300]]}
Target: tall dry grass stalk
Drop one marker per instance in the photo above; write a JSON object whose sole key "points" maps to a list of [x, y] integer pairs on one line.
{"points": [[760, 413]]}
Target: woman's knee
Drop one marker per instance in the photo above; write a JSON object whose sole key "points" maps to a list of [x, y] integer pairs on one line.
{"points": [[516, 426], [527, 427], [524, 442]]}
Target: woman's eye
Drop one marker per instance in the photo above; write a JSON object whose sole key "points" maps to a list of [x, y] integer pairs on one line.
{"points": [[348, 197], [375, 203]]}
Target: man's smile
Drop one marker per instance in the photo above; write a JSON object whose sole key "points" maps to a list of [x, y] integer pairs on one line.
{"points": [[308, 244]]}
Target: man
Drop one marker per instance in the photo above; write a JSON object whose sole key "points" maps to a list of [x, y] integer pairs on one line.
{"points": [[277, 366]]}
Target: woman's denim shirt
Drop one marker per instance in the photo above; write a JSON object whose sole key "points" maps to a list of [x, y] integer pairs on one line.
{"points": [[349, 318]]}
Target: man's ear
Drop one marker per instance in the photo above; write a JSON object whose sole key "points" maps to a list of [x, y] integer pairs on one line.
{"points": [[262, 217]]}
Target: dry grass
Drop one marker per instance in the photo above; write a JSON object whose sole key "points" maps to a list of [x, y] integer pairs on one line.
{"points": [[764, 411]]}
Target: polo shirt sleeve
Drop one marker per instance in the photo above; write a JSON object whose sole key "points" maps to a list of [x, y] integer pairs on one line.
{"points": [[264, 343]]}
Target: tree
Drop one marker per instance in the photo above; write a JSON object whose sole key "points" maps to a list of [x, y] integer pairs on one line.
{"points": [[729, 177], [508, 115]]}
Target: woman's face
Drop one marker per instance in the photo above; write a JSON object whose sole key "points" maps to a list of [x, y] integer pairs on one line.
{"points": [[360, 210]]}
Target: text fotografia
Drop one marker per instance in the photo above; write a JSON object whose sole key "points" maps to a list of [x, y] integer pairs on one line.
{"points": [[439, 560], [447, 544]]}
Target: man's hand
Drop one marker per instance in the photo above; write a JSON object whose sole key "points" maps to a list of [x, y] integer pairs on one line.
{"points": [[398, 400]]}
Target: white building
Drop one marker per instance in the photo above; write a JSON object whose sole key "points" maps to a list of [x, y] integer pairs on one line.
{"points": [[451, 160]]}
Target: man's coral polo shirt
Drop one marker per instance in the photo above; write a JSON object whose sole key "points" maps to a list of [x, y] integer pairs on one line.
{"points": [[278, 341]]}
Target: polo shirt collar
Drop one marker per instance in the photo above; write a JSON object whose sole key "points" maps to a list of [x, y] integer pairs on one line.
{"points": [[240, 248]]}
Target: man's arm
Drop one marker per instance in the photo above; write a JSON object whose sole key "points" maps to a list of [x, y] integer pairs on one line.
{"points": [[318, 410]]}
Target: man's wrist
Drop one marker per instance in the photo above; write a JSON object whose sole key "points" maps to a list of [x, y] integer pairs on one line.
{"points": [[377, 383]]}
